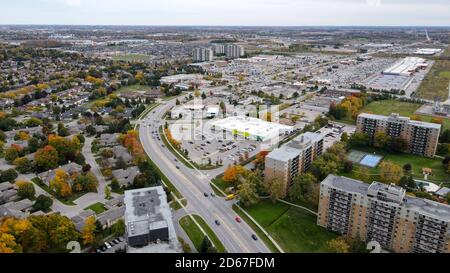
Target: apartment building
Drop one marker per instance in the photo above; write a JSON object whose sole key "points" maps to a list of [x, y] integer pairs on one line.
{"points": [[384, 213], [422, 137], [219, 49], [293, 158], [234, 51], [202, 55], [148, 217]]}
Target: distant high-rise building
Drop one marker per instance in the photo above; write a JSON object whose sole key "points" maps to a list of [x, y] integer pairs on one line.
{"points": [[219, 49], [202, 55], [234, 51], [422, 137], [385, 214], [294, 158]]}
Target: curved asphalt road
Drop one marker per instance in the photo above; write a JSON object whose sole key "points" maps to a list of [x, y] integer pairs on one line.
{"points": [[192, 184]]}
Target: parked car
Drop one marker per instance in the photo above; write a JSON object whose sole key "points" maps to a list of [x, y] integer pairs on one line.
{"points": [[205, 194], [217, 222], [239, 220], [254, 237]]}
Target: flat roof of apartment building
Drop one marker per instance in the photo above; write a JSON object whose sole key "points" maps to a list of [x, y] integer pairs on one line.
{"points": [[146, 209], [426, 207], [398, 118], [293, 148]]}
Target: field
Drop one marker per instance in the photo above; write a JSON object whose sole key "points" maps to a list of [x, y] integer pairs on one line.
{"points": [[134, 88], [417, 162], [294, 229], [97, 208], [436, 83], [407, 109], [133, 58]]}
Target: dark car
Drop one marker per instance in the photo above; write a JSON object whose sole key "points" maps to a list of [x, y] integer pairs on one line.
{"points": [[217, 222], [178, 167], [205, 194], [254, 237]]}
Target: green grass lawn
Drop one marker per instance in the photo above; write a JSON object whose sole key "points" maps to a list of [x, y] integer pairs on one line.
{"points": [[294, 229], [257, 230], [134, 88], [97, 208], [436, 82], [196, 235], [417, 162], [387, 107]]}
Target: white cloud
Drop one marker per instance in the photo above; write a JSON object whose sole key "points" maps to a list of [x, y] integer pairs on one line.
{"points": [[373, 3], [73, 3]]}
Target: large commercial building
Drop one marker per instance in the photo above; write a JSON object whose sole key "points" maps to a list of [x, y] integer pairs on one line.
{"points": [[385, 214], [148, 219], [234, 51], [202, 55], [252, 128], [406, 67], [422, 137], [294, 158]]}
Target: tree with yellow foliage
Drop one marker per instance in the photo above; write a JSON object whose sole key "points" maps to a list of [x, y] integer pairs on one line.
{"points": [[8, 244], [60, 184], [88, 231], [390, 173]]}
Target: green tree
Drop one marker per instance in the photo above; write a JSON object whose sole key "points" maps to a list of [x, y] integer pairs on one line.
{"points": [[305, 188], [247, 193], [26, 189], [207, 247], [381, 140], [359, 140], [43, 203], [275, 188], [11, 154], [118, 229], [8, 175], [23, 165]]}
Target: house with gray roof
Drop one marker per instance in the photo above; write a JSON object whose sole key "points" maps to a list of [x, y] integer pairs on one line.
{"points": [[108, 140], [127, 176], [71, 168]]}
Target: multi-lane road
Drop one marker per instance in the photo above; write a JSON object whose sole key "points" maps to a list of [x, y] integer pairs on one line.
{"points": [[193, 184]]}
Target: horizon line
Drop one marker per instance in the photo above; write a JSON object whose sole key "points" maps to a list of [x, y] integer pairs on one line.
{"points": [[231, 26]]}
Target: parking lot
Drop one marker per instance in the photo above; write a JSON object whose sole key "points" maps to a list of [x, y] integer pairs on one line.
{"points": [[212, 147], [112, 246]]}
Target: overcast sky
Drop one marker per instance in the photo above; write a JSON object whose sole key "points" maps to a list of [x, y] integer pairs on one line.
{"points": [[228, 12]]}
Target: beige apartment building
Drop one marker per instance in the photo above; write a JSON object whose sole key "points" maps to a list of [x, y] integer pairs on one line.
{"points": [[384, 213], [422, 137], [293, 158]]}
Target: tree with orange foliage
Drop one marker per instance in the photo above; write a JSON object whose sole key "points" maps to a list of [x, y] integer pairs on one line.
{"points": [[437, 120], [233, 173], [46, 158]]}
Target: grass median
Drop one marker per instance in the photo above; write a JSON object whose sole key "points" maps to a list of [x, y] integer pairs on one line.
{"points": [[196, 235]]}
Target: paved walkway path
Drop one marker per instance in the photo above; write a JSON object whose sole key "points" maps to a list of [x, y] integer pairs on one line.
{"points": [[177, 216]]}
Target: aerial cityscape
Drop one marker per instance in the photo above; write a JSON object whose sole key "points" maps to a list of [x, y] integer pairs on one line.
{"points": [[202, 136]]}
